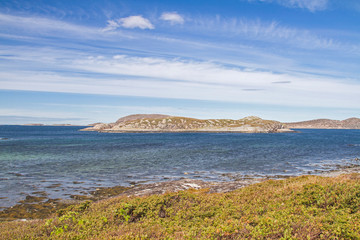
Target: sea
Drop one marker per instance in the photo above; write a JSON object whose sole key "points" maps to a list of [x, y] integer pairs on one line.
{"points": [[62, 161]]}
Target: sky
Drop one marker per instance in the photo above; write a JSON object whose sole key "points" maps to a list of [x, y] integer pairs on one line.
{"points": [[84, 61]]}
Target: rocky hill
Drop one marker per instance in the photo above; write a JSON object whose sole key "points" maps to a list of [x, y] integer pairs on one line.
{"points": [[165, 123], [350, 123]]}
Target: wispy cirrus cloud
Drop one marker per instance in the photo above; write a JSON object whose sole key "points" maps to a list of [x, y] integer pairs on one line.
{"points": [[236, 33], [172, 17], [282, 82], [69, 70], [311, 5], [180, 79], [111, 25], [265, 31], [231, 28], [43, 25]]}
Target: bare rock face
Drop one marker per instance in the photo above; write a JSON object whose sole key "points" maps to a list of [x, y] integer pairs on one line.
{"points": [[350, 123], [165, 123]]}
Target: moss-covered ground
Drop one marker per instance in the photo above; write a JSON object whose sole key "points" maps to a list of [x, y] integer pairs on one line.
{"points": [[307, 207]]}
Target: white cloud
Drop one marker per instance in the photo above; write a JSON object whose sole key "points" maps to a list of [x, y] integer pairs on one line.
{"points": [[311, 5], [129, 22], [136, 22], [182, 79], [172, 17]]}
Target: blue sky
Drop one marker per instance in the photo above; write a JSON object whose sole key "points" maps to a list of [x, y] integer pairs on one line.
{"points": [[88, 61]]}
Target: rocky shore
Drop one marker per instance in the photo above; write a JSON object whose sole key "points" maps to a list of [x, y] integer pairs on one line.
{"points": [[35, 207]]}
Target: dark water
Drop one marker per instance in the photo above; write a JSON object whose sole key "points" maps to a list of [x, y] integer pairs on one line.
{"points": [[56, 159]]}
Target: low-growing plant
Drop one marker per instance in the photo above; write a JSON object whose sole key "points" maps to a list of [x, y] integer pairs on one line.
{"points": [[125, 212], [307, 207]]}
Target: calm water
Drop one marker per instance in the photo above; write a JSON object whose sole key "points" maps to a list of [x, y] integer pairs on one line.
{"points": [[63, 160]]}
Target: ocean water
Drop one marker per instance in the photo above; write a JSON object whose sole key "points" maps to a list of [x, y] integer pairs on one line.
{"points": [[64, 161]]}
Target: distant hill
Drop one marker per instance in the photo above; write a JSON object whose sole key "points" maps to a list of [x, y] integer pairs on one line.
{"points": [[350, 123], [54, 125], [165, 123]]}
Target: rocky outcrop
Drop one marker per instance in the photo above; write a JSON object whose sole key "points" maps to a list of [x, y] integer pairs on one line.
{"points": [[184, 184], [99, 127], [350, 123], [165, 123]]}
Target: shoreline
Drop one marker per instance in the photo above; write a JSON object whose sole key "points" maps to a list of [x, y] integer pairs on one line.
{"points": [[33, 207], [199, 131], [285, 130]]}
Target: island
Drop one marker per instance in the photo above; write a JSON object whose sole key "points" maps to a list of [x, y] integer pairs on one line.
{"points": [[350, 123], [50, 125], [166, 123]]}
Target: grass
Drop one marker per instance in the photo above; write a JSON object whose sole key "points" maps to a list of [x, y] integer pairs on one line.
{"points": [[307, 207]]}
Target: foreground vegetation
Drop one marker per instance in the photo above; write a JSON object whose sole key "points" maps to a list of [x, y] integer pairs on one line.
{"points": [[307, 207]]}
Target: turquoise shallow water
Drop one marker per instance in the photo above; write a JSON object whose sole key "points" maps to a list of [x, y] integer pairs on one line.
{"points": [[56, 159]]}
